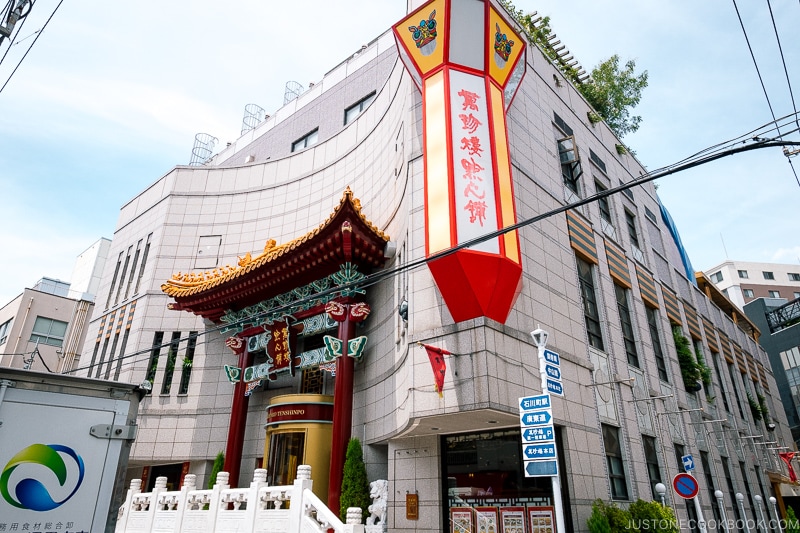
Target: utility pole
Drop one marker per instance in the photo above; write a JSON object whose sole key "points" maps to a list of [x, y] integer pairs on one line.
{"points": [[13, 12]]}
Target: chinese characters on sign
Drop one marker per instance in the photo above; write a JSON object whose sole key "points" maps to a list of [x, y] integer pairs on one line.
{"points": [[473, 182]]}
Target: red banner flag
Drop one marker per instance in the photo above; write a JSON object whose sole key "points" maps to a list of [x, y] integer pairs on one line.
{"points": [[787, 458], [436, 356]]}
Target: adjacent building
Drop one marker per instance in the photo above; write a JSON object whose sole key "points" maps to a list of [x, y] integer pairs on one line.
{"points": [[779, 322], [299, 288], [742, 281], [44, 328]]}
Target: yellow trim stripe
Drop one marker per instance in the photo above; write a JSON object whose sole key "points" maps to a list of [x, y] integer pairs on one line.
{"points": [[726, 347], [503, 160], [692, 322], [671, 305], [762, 374], [581, 237], [437, 175], [617, 264], [740, 361], [711, 336], [647, 287]]}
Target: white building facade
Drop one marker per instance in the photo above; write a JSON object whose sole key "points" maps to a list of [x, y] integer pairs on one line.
{"points": [[606, 280]]}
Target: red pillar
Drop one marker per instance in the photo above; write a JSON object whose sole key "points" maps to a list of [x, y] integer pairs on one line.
{"points": [[238, 420], [347, 315]]}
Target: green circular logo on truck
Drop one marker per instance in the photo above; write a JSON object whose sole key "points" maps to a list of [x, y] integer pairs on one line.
{"points": [[32, 494]]}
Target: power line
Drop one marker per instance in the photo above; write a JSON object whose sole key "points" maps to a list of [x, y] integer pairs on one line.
{"points": [[760, 78], [783, 60], [376, 277]]}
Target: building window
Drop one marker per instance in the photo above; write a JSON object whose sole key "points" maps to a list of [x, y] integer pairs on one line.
{"points": [[309, 139], [563, 126], [186, 364], [630, 221], [716, 277], [768, 275], [354, 110], [114, 280], [743, 274], [122, 276], [172, 357], [144, 262], [794, 277], [748, 293], [570, 164], [710, 483], [48, 331], [155, 353], [4, 329], [605, 208], [590, 309], [594, 158], [715, 360], [605, 211], [774, 294], [627, 192], [627, 325], [652, 324], [650, 215], [726, 469], [616, 466], [633, 233], [651, 458], [735, 387]]}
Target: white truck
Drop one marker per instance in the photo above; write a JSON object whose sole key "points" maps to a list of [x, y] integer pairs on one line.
{"points": [[64, 446]]}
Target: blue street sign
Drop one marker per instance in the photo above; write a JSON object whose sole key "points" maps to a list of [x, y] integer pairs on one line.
{"points": [[555, 387], [552, 372], [539, 451], [536, 418], [552, 357], [688, 463], [540, 434], [541, 468], [531, 403], [685, 486]]}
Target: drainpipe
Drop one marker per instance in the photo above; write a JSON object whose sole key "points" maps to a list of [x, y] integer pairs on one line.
{"points": [[24, 321]]}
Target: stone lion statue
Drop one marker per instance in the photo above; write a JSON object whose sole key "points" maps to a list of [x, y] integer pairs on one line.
{"points": [[379, 492]]}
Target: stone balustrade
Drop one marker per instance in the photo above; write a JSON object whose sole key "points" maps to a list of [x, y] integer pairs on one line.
{"points": [[259, 508]]}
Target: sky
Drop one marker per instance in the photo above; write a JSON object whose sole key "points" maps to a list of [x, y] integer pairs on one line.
{"points": [[111, 95]]}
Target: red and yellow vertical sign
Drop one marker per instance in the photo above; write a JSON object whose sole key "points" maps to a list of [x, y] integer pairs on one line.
{"points": [[468, 62]]}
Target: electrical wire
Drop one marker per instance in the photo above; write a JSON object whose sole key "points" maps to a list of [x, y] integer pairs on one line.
{"points": [[783, 60], [41, 31], [760, 78], [702, 157]]}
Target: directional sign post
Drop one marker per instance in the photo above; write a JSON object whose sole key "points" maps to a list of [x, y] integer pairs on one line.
{"points": [[539, 451], [536, 418], [688, 463], [541, 469], [534, 403], [538, 434]]}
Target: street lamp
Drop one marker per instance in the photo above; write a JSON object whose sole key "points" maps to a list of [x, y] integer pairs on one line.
{"points": [[661, 489], [759, 514], [740, 502], [774, 503], [718, 496]]}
